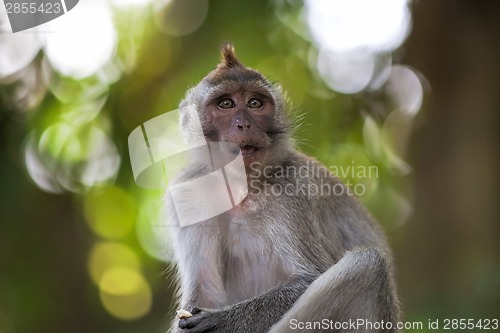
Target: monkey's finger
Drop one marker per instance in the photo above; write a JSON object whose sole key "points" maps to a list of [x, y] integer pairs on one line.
{"points": [[194, 310], [184, 324], [187, 323]]}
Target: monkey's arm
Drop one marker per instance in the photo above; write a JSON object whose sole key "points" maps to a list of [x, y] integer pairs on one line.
{"points": [[357, 287], [255, 315]]}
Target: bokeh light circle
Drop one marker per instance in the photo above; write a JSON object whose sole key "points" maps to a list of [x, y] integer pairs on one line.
{"points": [[17, 52], [125, 293], [110, 211], [107, 255], [82, 40], [180, 17], [347, 73], [346, 25], [405, 89]]}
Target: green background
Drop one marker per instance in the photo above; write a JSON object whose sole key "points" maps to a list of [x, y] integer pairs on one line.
{"points": [[442, 218]]}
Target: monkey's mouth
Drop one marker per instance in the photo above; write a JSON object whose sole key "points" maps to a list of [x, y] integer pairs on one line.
{"points": [[248, 150]]}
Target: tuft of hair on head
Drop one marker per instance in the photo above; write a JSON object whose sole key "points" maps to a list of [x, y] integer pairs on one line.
{"points": [[228, 57]]}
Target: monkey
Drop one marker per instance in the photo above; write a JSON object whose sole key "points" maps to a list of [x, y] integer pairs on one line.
{"points": [[277, 259]]}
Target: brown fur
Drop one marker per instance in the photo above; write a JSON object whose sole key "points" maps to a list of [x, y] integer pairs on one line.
{"points": [[228, 57]]}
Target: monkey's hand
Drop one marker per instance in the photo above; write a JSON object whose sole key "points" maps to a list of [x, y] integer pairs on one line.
{"points": [[203, 321]]}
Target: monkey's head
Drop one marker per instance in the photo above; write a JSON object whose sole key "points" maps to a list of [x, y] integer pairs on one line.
{"points": [[239, 105]]}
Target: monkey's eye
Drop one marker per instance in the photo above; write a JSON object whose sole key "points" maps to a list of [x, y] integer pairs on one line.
{"points": [[226, 103], [255, 103]]}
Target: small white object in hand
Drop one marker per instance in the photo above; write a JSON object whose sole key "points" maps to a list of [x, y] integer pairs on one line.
{"points": [[182, 314]]}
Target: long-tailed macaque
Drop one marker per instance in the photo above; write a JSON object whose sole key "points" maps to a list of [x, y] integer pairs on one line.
{"points": [[279, 261]]}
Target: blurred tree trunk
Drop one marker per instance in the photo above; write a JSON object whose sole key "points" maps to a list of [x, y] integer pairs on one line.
{"points": [[450, 262]]}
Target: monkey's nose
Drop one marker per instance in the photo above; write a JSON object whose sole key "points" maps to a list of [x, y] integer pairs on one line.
{"points": [[243, 126]]}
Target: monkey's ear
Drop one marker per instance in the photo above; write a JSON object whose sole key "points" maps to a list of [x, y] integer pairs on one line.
{"points": [[228, 57]]}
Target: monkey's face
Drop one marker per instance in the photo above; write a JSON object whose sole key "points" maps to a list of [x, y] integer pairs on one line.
{"points": [[242, 114], [237, 104]]}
